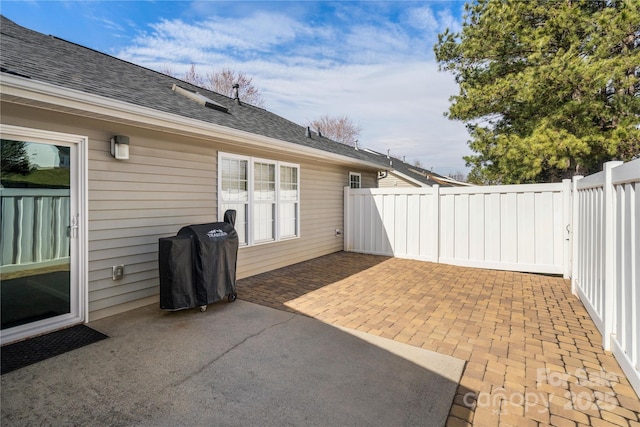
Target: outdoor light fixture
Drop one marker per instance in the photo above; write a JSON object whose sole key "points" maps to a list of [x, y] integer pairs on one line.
{"points": [[120, 147]]}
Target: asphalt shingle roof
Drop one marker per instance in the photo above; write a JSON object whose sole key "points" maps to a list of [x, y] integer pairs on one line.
{"points": [[27, 53], [417, 173]]}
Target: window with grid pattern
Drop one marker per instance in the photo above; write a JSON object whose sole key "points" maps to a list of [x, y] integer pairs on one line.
{"points": [[355, 180], [265, 194]]}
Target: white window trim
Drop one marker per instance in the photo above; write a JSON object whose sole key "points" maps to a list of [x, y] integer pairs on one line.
{"points": [[251, 202], [359, 175]]}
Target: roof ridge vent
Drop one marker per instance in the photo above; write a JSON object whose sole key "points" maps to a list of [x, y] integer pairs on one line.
{"points": [[199, 98]]}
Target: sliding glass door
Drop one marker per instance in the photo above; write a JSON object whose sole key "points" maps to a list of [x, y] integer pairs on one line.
{"points": [[39, 286]]}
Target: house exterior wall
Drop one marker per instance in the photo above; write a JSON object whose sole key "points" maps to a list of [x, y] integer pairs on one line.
{"points": [[369, 180], [171, 181], [394, 181]]}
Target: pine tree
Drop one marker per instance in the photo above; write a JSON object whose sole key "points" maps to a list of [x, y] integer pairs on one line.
{"points": [[14, 157], [548, 88]]}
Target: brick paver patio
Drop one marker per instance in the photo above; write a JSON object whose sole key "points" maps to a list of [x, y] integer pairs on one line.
{"points": [[534, 357]]}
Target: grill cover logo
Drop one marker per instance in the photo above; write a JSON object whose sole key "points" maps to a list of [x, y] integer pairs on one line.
{"points": [[216, 233]]}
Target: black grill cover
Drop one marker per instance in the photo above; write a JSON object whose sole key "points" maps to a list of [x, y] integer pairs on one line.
{"points": [[230, 217], [214, 255], [177, 289]]}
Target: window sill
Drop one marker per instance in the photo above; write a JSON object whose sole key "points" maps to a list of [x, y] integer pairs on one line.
{"points": [[270, 242]]}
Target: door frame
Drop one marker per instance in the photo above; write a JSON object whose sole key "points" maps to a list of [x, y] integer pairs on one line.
{"points": [[79, 246]]}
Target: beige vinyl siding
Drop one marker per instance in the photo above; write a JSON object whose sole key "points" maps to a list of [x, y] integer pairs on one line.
{"points": [[369, 180], [393, 180], [166, 184], [171, 181]]}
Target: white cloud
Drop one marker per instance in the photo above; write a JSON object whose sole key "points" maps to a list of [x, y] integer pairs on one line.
{"points": [[422, 18], [400, 107], [381, 74], [259, 32], [109, 24], [447, 20]]}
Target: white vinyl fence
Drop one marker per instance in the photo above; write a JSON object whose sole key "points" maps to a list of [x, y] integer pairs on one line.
{"points": [[511, 227], [588, 230], [606, 255], [34, 227]]}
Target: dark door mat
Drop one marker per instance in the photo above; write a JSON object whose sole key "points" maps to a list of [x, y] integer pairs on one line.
{"points": [[24, 353]]}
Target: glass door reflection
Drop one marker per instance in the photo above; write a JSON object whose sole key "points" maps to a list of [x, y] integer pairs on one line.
{"points": [[35, 230]]}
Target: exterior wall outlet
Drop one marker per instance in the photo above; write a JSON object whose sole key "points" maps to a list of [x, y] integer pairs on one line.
{"points": [[117, 272]]}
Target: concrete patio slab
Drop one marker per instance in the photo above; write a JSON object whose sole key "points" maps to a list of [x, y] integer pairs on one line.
{"points": [[235, 364]]}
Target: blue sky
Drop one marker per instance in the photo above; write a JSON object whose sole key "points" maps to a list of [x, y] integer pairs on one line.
{"points": [[372, 61]]}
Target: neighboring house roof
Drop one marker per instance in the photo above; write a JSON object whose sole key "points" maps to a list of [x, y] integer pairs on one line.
{"points": [[417, 175], [429, 176]]}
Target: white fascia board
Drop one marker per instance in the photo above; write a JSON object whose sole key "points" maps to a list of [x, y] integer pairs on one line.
{"points": [[71, 100]]}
